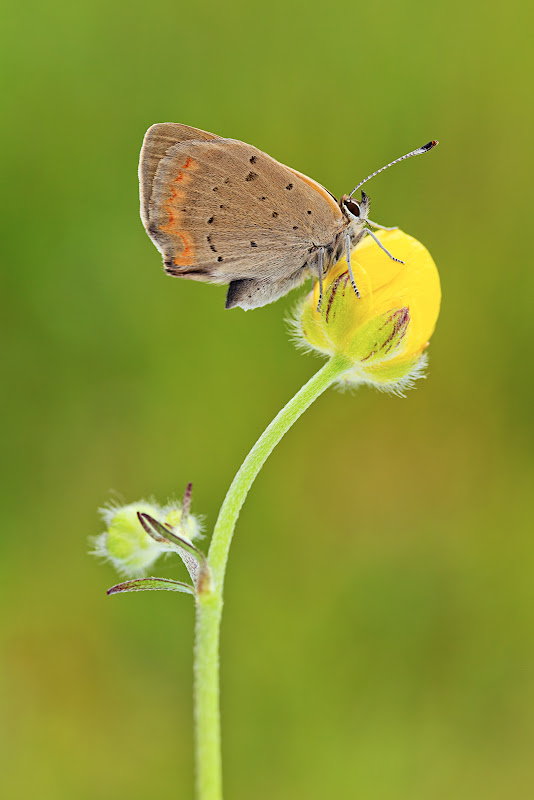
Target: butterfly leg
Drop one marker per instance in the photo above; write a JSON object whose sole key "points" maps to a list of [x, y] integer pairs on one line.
{"points": [[382, 227], [379, 243], [348, 245], [320, 268]]}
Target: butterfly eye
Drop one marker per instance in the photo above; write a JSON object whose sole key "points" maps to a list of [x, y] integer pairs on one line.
{"points": [[352, 207]]}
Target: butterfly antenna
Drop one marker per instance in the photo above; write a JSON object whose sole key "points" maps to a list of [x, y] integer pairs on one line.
{"points": [[424, 149]]}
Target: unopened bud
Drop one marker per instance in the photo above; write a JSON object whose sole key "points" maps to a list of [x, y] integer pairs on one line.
{"points": [[385, 332], [124, 543]]}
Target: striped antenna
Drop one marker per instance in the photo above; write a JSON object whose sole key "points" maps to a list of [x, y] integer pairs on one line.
{"points": [[424, 149]]}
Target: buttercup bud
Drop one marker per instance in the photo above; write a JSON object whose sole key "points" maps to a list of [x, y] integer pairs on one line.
{"points": [[179, 517], [186, 525], [125, 544], [383, 333]]}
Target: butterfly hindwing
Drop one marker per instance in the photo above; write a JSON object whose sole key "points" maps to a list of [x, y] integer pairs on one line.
{"points": [[159, 138]]}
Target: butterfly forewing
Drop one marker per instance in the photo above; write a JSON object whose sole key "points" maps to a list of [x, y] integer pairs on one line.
{"points": [[221, 211]]}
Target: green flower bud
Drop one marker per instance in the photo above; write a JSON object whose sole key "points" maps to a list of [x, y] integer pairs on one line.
{"points": [[185, 524], [125, 544]]}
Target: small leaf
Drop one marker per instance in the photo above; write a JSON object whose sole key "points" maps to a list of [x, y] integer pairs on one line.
{"points": [[193, 558], [161, 532], [151, 585]]}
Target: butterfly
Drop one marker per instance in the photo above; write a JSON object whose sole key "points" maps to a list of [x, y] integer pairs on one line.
{"points": [[222, 211]]}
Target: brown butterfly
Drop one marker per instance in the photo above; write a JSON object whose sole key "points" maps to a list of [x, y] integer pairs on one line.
{"points": [[222, 211]]}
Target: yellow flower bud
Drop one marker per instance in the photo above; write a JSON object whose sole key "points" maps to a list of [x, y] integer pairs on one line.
{"points": [[383, 333]]}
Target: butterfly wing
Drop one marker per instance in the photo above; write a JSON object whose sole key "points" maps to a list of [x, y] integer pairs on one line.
{"points": [[223, 211], [158, 139]]}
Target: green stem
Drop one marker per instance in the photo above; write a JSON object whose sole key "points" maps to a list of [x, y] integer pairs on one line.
{"points": [[210, 601]]}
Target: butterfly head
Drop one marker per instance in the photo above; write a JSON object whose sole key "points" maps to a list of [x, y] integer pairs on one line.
{"points": [[355, 210]]}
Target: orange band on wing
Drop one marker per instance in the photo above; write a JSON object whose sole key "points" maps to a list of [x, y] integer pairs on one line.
{"points": [[185, 258]]}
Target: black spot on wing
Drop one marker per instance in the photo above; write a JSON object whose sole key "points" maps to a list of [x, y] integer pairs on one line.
{"points": [[253, 244], [251, 176], [253, 159], [289, 186], [210, 220], [275, 214]]}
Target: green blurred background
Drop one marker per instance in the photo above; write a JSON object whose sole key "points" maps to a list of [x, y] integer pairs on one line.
{"points": [[378, 635]]}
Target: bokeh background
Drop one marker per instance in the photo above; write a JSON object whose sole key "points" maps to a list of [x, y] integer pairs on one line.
{"points": [[378, 633]]}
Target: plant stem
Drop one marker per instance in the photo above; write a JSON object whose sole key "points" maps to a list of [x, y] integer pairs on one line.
{"points": [[210, 601], [206, 697]]}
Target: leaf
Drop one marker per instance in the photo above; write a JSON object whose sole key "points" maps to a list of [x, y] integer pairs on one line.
{"points": [[161, 532], [151, 585], [193, 558]]}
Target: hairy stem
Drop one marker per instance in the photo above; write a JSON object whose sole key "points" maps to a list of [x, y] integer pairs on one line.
{"points": [[210, 601]]}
